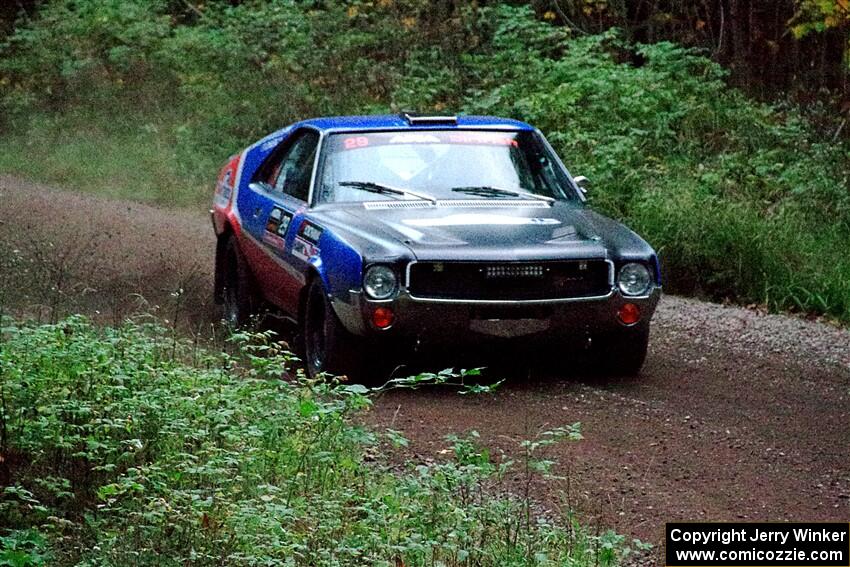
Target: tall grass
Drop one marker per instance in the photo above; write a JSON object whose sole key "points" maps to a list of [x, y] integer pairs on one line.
{"points": [[723, 250], [131, 156]]}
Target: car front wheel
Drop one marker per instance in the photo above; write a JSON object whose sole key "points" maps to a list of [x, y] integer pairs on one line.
{"points": [[328, 346]]}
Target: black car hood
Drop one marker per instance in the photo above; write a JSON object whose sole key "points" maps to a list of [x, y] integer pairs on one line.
{"points": [[511, 232]]}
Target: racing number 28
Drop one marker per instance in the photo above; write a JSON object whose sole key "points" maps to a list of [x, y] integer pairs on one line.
{"points": [[356, 142]]}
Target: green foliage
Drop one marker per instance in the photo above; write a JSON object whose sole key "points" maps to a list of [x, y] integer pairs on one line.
{"points": [[146, 102], [23, 548], [123, 447], [820, 15], [731, 192]]}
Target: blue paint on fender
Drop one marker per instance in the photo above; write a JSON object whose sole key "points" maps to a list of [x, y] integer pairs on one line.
{"points": [[341, 267]]}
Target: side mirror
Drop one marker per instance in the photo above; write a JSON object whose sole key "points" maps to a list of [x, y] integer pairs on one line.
{"points": [[582, 183]]}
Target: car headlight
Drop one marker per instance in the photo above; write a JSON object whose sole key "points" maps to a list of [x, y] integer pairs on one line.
{"points": [[634, 279], [380, 282]]}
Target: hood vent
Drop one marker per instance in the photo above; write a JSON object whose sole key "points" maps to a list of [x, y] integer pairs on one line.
{"points": [[455, 203], [492, 204], [384, 205]]}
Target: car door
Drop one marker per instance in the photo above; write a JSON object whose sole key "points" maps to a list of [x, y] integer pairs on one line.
{"points": [[283, 188]]}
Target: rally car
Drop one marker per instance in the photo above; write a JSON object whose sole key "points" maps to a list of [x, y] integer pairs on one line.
{"points": [[380, 236]]}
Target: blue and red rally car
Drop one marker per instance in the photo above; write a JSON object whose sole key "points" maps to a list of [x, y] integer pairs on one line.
{"points": [[383, 235]]}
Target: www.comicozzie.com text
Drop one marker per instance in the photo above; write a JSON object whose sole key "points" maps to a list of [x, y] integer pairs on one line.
{"points": [[726, 536]]}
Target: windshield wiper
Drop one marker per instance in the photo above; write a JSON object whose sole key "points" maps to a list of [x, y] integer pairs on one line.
{"points": [[488, 191], [373, 187]]}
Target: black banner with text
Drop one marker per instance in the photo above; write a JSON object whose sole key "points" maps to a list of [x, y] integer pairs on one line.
{"points": [[758, 545]]}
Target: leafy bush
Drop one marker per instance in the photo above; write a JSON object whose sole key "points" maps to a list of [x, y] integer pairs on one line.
{"points": [[123, 447], [733, 192]]}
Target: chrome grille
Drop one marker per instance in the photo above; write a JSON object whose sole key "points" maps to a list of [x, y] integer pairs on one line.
{"points": [[510, 281]]}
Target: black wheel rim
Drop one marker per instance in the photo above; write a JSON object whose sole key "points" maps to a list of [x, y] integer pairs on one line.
{"points": [[316, 333]]}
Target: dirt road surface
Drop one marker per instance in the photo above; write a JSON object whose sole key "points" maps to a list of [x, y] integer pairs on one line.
{"points": [[737, 415]]}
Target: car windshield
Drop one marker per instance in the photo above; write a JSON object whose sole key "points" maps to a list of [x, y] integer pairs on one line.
{"points": [[439, 164]]}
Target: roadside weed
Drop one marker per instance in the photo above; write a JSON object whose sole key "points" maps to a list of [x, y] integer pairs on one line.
{"points": [[132, 446]]}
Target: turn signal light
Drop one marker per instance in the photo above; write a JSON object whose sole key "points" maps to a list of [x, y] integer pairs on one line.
{"points": [[383, 317], [629, 314]]}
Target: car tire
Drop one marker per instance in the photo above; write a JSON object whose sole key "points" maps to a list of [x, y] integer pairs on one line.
{"points": [[240, 301], [620, 353], [328, 346]]}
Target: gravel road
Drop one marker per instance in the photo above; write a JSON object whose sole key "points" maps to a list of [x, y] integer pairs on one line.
{"points": [[737, 415]]}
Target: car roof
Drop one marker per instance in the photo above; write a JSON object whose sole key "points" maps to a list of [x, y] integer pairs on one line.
{"points": [[398, 122]]}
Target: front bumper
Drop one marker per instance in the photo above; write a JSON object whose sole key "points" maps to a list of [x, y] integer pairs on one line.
{"points": [[455, 322]]}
